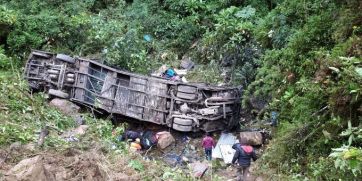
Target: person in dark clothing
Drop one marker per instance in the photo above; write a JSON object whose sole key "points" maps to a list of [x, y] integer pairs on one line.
{"points": [[129, 134], [244, 153]]}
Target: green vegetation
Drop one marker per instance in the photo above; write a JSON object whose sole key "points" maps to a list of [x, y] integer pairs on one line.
{"points": [[23, 115], [303, 57]]}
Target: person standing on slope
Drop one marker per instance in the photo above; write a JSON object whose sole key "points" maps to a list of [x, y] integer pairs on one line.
{"points": [[208, 143], [244, 153]]}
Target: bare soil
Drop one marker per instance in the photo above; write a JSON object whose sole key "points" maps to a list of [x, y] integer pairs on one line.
{"points": [[70, 164]]}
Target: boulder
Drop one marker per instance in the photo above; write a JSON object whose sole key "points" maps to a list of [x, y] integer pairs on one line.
{"points": [[252, 138], [30, 169], [79, 120], [65, 106], [165, 139], [80, 130], [30, 147]]}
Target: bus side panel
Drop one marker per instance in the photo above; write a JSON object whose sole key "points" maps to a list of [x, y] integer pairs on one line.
{"points": [[122, 94], [108, 91], [79, 93], [137, 97], [156, 102]]}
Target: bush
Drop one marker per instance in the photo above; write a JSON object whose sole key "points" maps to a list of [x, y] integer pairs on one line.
{"points": [[4, 60]]}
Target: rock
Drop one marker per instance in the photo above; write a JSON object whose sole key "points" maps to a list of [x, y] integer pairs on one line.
{"points": [[43, 133], [185, 159], [164, 139], [15, 146], [70, 136], [252, 138], [80, 130], [186, 63], [65, 106], [192, 147], [71, 139], [198, 169], [29, 147], [30, 169], [79, 120]]}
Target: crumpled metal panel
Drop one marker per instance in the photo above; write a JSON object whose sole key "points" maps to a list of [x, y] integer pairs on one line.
{"points": [[219, 151]]}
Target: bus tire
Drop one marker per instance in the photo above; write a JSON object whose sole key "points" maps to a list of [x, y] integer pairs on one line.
{"points": [[65, 58], [58, 93]]}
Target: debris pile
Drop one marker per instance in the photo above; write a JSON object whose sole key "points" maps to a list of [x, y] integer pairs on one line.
{"points": [[174, 74]]}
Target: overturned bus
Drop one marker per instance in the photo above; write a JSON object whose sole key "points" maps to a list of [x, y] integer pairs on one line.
{"points": [[180, 106]]}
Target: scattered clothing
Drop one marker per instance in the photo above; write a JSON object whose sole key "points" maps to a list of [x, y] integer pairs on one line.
{"points": [[129, 135], [133, 135], [135, 146], [172, 159], [169, 73], [148, 139], [184, 138]]}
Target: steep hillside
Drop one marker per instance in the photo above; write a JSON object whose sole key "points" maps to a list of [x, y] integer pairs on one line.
{"points": [[300, 59]]}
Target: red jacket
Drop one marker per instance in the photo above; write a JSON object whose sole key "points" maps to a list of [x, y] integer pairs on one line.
{"points": [[208, 142]]}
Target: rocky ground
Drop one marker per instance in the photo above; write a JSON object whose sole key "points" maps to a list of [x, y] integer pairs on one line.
{"points": [[25, 162], [83, 158]]}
